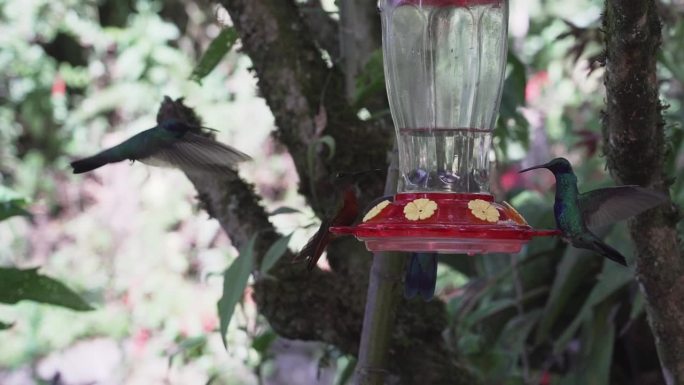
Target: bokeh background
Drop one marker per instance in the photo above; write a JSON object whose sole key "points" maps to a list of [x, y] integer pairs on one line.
{"points": [[131, 240]]}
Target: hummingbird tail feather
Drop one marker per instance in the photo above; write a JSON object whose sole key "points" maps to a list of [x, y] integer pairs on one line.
{"points": [[610, 252], [98, 160], [311, 252], [421, 276], [89, 164]]}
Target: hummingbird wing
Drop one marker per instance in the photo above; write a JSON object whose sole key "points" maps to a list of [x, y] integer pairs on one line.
{"points": [[605, 206], [194, 152]]}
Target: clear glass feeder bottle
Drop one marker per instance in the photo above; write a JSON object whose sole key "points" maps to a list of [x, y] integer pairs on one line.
{"points": [[444, 69], [444, 66]]}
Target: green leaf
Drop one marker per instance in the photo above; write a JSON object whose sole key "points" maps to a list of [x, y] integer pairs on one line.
{"points": [[5, 326], [329, 141], [513, 97], [596, 367], [596, 342], [492, 364], [188, 344], [213, 378], [613, 278], [11, 204], [277, 249], [13, 208], [371, 80], [18, 285], [496, 306], [218, 48], [284, 210], [263, 341], [487, 310], [235, 280], [347, 372], [515, 379], [637, 305], [470, 344], [517, 330], [572, 272]]}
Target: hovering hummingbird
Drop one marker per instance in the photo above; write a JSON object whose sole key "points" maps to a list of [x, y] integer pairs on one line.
{"points": [[575, 213], [345, 214], [421, 276], [171, 143]]}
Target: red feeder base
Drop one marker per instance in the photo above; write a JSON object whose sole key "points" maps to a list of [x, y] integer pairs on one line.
{"points": [[444, 223]]}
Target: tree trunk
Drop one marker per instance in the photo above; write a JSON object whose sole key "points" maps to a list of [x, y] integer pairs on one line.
{"points": [[635, 149], [359, 37]]}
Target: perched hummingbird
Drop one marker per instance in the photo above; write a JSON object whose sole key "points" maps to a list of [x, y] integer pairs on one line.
{"points": [[421, 276], [575, 213], [345, 214], [171, 143]]}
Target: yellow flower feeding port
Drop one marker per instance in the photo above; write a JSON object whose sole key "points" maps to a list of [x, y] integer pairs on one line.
{"points": [[418, 209]]}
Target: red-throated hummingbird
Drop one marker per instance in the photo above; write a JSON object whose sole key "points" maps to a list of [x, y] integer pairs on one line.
{"points": [[345, 214]]}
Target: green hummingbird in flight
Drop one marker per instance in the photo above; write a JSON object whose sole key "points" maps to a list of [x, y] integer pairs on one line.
{"points": [[576, 212], [171, 143]]}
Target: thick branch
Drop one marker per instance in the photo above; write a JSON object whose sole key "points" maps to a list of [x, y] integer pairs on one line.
{"points": [[633, 128], [359, 37], [382, 300], [307, 99], [324, 28], [306, 96]]}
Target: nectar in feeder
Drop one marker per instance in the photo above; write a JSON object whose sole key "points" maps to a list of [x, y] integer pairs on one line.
{"points": [[444, 67]]}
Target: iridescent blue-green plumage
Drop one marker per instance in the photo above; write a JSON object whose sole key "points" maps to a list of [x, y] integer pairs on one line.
{"points": [[172, 143], [421, 276], [577, 212]]}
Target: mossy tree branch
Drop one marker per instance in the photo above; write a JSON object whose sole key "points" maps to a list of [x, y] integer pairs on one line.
{"points": [[633, 125], [307, 98]]}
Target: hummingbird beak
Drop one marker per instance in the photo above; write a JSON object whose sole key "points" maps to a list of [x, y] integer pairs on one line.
{"points": [[545, 165]]}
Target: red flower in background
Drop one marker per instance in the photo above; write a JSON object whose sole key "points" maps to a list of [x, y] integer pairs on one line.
{"points": [[545, 379], [140, 339], [511, 179], [58, 87], [535, 85]]}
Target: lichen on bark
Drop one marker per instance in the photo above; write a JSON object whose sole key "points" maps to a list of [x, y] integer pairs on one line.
{"points": [[633, 125]]}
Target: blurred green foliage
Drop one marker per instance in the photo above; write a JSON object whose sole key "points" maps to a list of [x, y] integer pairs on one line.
{"points": [[22, 285], [76, 77], [235, 280]]}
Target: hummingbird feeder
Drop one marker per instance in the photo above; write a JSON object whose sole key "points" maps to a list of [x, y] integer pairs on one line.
{"points": [[444, 62]]}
